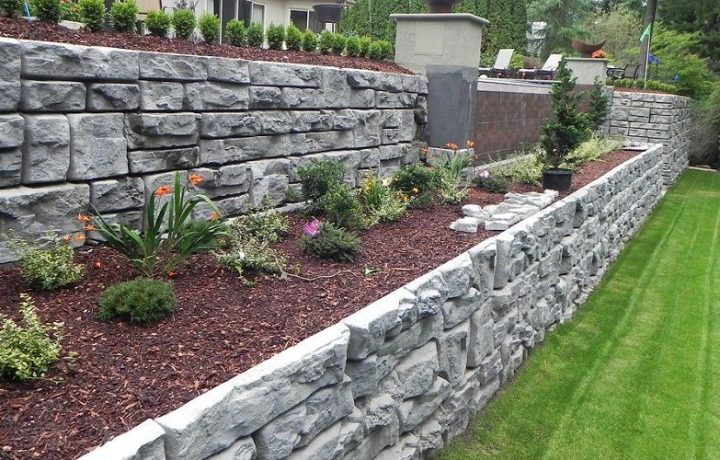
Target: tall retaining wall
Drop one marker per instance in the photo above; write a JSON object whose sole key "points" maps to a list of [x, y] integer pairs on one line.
{"points": [[88, 126], [401, 377], [646, 118]]}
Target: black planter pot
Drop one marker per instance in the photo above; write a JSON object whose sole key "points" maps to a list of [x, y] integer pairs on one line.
{"points": [[557, 179]]}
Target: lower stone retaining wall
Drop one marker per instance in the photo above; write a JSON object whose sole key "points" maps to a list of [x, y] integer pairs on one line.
{"points": [[401, 377]]}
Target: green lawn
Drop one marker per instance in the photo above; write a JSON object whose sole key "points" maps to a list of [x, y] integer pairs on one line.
{"points": [[636, 374]]}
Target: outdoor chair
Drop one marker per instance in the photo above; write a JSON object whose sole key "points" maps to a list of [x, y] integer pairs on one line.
{"points": [[629, 71], [546, 71], [501, 68]]}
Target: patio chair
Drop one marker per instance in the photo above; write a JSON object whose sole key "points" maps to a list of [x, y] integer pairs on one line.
{"points": [[629, 71], [501, 67], [546, 71]]}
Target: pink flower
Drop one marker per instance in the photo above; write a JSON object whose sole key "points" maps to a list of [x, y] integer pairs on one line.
{"points": [[485, 174], [312, 228]]}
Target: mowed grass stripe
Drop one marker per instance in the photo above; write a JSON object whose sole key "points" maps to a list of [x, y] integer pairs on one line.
{"points": [[636, 374]]}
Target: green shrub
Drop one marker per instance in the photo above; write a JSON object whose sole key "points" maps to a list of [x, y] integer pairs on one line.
{"points": [[263, 226], [209, 26], [123, 15], [158, 23], [338, 43], [275, 36], [141, 300], [255, 35], [293, 38], [167, 239], [317, 177], [492, 183], [46, 10], [252, 254], [183, 21], [92, 13], [10, 7], [327, 39], [352, 46], [28, 350], [70, 11], [599, 106], [592, 149], [309, 41], [381, 203], [417, 184], [522, 168], [386, 49], [47, 267], [375, 51], [235, 32], [568, 128], [448, 176], [364, 43], [331, 243], [342, 208]]}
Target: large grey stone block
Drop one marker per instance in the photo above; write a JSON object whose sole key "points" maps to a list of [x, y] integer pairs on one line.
{"points": [[98, 146], [34, 211], [144, 442], [10, 166], [228, 70], [148, 131], [161, 95], [109, 97], [417, 371], [10, 51], [213, 421], [241, 124], [11, 131], [172, 67], [46, 151], [56, 60], [117, 194], [52, 96], [242, 449], [266, 74], [10, 95], [225, 181], [266, 97], [223, 151], [216, 96], [144, 161]]}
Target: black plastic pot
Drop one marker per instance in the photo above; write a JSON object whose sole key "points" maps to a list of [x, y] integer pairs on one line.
{"points": [[557, 179]]}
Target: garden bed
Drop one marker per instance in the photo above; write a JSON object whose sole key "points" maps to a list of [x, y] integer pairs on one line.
{"points": [[43, 31], [124, 374]]}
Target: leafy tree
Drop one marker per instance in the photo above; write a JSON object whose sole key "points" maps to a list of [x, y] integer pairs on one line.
{"points": [[564, 18], [372, 17], [620, 28]]}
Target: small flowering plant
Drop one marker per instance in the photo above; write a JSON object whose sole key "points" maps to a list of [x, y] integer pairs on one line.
{"points": [[312, 228], [168, 237]]}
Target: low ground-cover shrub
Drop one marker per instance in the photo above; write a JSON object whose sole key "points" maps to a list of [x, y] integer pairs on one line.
{"points": [[249, 253], [92, 13], [592, 149], [209, 26], [158, 23], [255, 35], [48, 266], [123, 15], [325, 241], [235, 32], [317, 177], [523, 167], [342, 208], [380, 202], [449, 174], [417, 184], [275, 36], [27, 350], [167, 239], [492, 183], [183, 21], [268, 225], [46, 10], [651, 85], [142, 300]]}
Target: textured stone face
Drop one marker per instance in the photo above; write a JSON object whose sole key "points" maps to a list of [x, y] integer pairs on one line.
{"points": [[117, 194], [55, 60], [216, 96], [109, 97], [98, 146], [52, 96], [161, 95], [172, 67], [46, 150], [147, 131], [228, 70]]}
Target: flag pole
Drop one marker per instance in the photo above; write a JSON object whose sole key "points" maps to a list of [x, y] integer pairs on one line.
{"points": [[647, 57]]}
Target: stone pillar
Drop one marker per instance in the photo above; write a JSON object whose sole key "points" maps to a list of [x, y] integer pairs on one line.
{"points": [[586, 69], [445, 47]]}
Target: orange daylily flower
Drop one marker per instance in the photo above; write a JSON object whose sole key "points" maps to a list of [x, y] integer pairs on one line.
{"points": [[163, 190], [452, 146], [79, 237], [423, 150], [83, 218], [470, 144], [67, 238], [214, 216], [89, 228], [195, 179]]}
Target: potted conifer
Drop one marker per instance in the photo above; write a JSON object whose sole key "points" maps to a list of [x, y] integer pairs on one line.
{"points": [[564, 132]]}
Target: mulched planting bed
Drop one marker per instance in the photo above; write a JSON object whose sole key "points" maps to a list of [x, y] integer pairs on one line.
{"points": [[45, 31], [124, 373]]}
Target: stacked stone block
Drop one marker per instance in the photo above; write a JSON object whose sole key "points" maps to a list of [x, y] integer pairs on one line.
{"points": [[645, 118], [400, 378], [111, 125]]}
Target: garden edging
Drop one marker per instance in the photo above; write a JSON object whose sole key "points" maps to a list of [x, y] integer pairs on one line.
{"points": [[399, 378]]}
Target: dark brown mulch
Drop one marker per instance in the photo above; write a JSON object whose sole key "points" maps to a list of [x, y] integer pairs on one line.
{"points": [[124, 374], [45, 31]]}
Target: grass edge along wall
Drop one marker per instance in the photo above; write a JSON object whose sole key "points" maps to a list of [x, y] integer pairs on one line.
{"points": [[401, 377]]}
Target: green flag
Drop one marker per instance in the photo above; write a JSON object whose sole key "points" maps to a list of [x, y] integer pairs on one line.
{"points": [[646, 33]]}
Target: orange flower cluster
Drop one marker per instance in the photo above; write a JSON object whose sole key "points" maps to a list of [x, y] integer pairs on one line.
{"points": [[163, 190], [214, 216], [470, 144], [195, 179], [599, 54], [83, 218], [452, 146]]}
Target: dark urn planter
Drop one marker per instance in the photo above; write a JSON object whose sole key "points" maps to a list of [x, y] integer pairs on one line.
{"points": [[441, 6], [557, 179]]}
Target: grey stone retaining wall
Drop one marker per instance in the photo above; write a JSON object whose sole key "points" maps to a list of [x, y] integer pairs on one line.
{"points": [[399, 378], [646, 118], [83, 126]]}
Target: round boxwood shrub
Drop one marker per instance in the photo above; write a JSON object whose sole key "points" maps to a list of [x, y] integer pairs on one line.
{"points": [[326, 42], [124, 16], [47, 10], [92, 13], [158, 23], [293, 38], [183, 21], [338, 43], [375, 50], [275, 36], [365, 45], [309, 41], [255, 35], [352, 47], [209, 26], [10, 7], [141, 300], [235, 32]]}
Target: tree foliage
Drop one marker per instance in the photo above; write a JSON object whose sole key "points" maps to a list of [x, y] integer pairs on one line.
{"points": [[565, 20]]}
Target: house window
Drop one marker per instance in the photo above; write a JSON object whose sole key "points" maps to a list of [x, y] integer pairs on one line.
{"points": [[301, 19], [258, 13]]}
